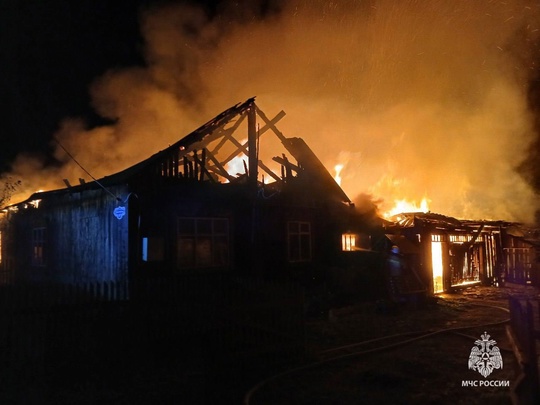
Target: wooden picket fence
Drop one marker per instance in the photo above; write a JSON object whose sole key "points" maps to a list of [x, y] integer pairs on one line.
{"points": [[524, 332], [213, 318]]}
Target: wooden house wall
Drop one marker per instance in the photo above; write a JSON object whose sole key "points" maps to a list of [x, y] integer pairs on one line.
{"points": [[83, 240], [272, 244], [257, 232], [157, 212], [258, 229], [521, 263], [328, 220], [535, 265], [420, 261]]}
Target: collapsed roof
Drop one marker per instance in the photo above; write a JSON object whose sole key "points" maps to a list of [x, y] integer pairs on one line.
{"points": [[442, 222], [213, 151]]}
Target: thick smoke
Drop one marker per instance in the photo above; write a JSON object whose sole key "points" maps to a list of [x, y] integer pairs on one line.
{"points": [[418, 99], [530, 166]]}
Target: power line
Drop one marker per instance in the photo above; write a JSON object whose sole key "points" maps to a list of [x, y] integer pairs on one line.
{"points": [[86, 171]]}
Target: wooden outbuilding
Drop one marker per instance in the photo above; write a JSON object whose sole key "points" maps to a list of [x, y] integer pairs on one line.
{"points": [[449, 253]]}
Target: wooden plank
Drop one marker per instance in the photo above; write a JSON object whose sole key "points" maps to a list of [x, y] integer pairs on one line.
{"points": [[202, 165], [242, 148], [271, 123], [195, 165], [285, 162], [253, 145], [218, 133], [268, 171], [218, 168], [226, 134]]}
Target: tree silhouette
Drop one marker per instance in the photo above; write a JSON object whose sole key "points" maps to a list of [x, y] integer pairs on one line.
{"points": [[10, 186]]}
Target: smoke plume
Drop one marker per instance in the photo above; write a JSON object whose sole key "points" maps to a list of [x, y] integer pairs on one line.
{"points": [[424, 98]]}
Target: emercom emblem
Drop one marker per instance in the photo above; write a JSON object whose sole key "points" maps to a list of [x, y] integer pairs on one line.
{"points": [[485, 356]]}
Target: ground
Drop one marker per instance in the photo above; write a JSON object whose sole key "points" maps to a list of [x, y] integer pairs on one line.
{"points": [[428, 370], [415, 354]]}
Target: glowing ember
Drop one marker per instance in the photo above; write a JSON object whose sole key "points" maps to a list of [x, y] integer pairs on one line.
{"points": [[34, 203], [402, 206]]}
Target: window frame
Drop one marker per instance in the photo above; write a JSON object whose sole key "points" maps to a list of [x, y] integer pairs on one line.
{"points": [[203, 243], [298, 234], [39, 246]]}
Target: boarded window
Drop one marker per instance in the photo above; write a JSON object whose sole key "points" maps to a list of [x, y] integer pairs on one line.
{"points": [[38, 246], [299, 241], [203, 242]]}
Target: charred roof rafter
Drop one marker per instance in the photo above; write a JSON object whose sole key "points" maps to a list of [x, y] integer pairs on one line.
{"points": [[206, 153]]}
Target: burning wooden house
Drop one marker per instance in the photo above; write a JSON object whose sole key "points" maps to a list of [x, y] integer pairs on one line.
{"points": [[448, 253], [207, 203]]}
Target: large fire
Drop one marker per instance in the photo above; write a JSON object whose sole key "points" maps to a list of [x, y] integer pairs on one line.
{"points": [[400, 206], [404, 205]]}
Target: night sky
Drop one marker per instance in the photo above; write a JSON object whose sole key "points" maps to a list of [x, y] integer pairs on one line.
{"points": [[366, 83], [51, 51]]}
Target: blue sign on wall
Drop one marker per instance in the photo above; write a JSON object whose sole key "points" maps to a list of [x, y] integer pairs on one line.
{"points": [[119, 212]]}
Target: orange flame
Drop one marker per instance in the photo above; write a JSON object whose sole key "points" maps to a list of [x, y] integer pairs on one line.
{"points": [[236, 166], [404, 205], [337, 177]]}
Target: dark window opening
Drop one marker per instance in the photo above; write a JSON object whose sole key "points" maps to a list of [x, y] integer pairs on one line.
{"points": [[38, 247], [299, 241], [203, 242]]}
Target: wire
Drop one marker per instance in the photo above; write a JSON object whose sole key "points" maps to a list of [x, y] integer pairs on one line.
{"points": [[86, 171], [249, 395]]}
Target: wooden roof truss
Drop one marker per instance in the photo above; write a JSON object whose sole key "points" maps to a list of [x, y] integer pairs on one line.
{"points": [[211, 157]]}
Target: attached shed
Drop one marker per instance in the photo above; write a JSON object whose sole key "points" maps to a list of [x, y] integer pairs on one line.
{"points": [[207, 203], [521, 254], [452, 253]]}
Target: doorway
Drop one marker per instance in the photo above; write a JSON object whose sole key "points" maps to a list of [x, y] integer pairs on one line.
{"points": [[437, 263]]}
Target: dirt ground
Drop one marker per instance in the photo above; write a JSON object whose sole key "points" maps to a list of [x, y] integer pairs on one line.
{"points": [[430, 370]]}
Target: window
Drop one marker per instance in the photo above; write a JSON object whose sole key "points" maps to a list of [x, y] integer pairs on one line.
{"points": [[348, 241], [38, 246], [352, 241], [299, 238], [203, 242]]}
